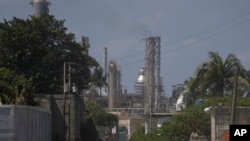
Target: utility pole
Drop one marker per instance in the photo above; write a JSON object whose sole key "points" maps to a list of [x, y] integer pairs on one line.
{"points": [[69, 117], [66, 95], [232, 119]]}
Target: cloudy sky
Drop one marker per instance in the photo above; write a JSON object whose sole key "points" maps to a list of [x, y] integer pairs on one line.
{"points": [[188, 30]]}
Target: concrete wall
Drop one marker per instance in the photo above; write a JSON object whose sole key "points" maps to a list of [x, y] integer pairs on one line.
{"points": [[195, 137], [130, 124], [220, 121], [24, 123], [65, 125]]}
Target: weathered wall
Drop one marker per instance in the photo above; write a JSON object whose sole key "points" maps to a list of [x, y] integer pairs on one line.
{"points": [[220, 121], [24, 123], [66, 122], [195, 137]]}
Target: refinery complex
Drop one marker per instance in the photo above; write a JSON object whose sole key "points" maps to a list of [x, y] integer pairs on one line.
{"points": [[147, 103], [149, 90], [55, 87]]}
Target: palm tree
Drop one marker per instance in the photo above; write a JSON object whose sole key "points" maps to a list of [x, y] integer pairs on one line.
{"points": [[215, 77], [246, 91], [98, 80]]}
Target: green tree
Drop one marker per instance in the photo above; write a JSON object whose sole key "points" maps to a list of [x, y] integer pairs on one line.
{"points": [[139, 134], [246, 91], [100, 117], [191, 120], [14, 88], [215, 77], [98, 80], [179, 127], [88, 130], [37, 47]]}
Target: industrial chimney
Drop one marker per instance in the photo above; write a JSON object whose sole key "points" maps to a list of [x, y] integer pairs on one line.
{"points": [[112, 83], [105, 68], [40, 7]]}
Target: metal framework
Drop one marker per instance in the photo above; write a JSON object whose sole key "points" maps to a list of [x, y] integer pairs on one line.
{"points": [[153, 84], [158, 85]]}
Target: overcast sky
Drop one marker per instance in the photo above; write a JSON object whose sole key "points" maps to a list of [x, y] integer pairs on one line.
{"points": [[188, 30]]}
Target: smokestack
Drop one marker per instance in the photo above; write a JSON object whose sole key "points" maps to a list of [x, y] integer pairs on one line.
{"points": [[85, 44], [105, 58], [112, 84], [150, 68], [40, 7], [158, 84], [149, 83], [153, 66], [152, 77]]}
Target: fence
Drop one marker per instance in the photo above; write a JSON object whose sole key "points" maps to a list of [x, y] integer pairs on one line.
{"points": [[24, 123]]}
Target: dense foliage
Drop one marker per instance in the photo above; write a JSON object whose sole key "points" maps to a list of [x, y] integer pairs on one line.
{"points": [[96, 119], [139, 134], [98, 80], [36, 48], [213, 82], [226, 101], [216, 76], [14, 88], [100, 116], [179, 127], [88, 130]]}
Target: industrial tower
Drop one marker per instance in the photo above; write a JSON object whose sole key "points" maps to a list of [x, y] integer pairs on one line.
{"points": [[152, 72], [114, 84], [153, 84], [40, 7], [105, 68]]}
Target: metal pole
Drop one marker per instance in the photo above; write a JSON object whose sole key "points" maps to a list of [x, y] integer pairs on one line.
{"points": [[234, 97], [69, 100], [150, 120], [64, 92]]}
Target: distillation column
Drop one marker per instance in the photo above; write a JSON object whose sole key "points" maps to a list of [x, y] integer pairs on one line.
{"points": [[118, 87]]}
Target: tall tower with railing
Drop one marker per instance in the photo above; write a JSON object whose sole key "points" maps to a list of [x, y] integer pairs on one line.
{"points": [[153, 84], [157, 85]]}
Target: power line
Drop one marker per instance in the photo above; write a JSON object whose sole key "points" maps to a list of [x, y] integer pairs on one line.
{"points": [[207, 37], [195, 34], [208, 30], [202, 39]]}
